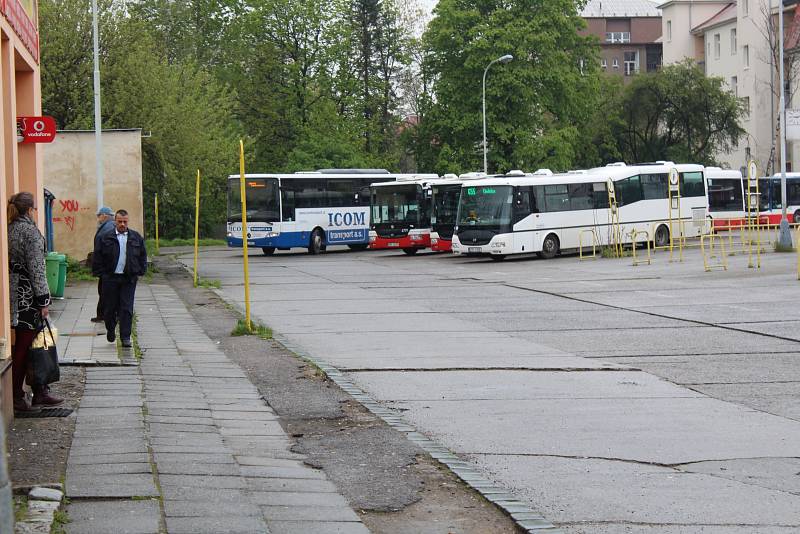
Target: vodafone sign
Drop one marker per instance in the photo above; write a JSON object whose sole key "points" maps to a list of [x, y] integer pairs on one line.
{"points": [[36, 129]]}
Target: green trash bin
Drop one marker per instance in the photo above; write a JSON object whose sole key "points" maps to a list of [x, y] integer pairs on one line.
{"points": [[62, 275], [52, 264]]}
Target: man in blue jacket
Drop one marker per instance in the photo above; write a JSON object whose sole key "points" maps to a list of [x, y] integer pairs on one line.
{"points": [[105, 223], [119, 259]]}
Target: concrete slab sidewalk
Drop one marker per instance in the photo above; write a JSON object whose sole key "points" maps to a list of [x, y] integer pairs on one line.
{"points": [[182, 443]]}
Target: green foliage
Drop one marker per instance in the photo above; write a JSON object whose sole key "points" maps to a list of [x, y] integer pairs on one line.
{"points": [[255, 330], [78, 271], [208, 284], [532, 103], [677, 114]]}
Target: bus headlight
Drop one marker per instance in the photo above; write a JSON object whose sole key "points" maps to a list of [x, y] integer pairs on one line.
{"points": [[434, 241]]}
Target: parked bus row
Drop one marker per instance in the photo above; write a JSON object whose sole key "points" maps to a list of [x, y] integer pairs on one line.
{"points": [[495, 216]]}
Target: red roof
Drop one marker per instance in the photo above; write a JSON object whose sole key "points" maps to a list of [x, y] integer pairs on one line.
{"points": [[726, 14]]}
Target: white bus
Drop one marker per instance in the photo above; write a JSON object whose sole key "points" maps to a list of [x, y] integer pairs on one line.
{"points": [[726, 197], [520, 213], [303, 210]]}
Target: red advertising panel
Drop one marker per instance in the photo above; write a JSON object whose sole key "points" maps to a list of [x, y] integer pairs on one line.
{"points": [[36, 129]]}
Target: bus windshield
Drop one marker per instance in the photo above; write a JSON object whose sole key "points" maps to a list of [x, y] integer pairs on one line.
{"points": [[396, 204], [485, 206], [262, 200], [725, 194], [445, 204]]}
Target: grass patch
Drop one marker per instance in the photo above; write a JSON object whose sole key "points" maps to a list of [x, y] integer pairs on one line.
{"points": [[255, 330], [609, 252], [208, 284], [781, 248], [180, 242], [78, 271], [20, 508], [60, 518], [137, 351]]}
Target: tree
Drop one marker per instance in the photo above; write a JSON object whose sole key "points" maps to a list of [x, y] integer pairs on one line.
{"points": [[678, 114], [533, 103]]}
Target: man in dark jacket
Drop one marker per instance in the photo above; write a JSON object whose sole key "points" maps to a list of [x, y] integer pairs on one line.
{"points": [[105, 223], [119, 259]]}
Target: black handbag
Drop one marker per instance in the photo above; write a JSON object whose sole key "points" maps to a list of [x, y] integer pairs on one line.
{"points": [[43, 362]]}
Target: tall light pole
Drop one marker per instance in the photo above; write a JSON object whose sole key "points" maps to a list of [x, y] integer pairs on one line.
{"points": [[784, 235], [98, 143], [501, 59]]}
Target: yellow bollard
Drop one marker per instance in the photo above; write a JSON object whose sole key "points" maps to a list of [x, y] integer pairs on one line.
{"points": [[196, 223], [156, 201], [243, 191]]}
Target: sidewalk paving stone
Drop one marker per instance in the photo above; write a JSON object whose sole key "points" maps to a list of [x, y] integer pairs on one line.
{"points": [[223, 461]]}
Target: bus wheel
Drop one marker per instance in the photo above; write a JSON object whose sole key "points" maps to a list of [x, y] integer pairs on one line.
{"points": [[315, 243], [360, 246], [268, 251], [410, 251], [550, 247], [661, 239], [498, 257], [797, 216]]}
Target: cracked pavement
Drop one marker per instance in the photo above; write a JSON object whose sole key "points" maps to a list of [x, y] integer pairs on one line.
{"points": [[610, 398]]}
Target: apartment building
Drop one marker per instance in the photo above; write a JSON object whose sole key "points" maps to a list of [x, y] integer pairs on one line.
{"points": [[628, 31], [731, 40]]}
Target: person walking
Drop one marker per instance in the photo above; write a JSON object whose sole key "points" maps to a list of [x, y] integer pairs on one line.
{"points": [[119, 259], [30, 296], [105, 223]]}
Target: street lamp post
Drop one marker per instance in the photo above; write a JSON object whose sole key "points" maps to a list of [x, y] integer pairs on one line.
{"points": [[502, 59], [784, 235]]}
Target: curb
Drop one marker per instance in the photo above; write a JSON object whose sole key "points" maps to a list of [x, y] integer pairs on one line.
{"points": [[526, 518]]}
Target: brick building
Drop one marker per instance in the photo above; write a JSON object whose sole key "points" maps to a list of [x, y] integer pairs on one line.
{"points": [[629, 32]]}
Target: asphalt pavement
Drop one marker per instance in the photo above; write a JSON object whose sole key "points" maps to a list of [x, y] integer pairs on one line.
{"points": [[609, 398]]}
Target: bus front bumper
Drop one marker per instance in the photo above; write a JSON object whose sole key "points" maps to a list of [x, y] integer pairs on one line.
{"points": [[496, 247], [409, 241]]}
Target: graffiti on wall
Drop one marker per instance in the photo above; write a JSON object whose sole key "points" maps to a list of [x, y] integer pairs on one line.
{"points": [[69, 209]]}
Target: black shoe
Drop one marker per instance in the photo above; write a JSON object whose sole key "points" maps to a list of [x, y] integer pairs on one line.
{"points": [[126, 343], [111, 336], [97, 320]]}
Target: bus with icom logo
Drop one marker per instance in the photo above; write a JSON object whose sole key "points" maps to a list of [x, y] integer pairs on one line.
{"points": [[310, 210]]}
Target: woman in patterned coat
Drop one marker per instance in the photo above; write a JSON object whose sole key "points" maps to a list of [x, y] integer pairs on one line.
{"points": [[30, 296]]}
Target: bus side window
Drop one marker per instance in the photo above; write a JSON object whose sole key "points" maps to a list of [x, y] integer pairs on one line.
{"points": [[793, 192], [654, 186], [600, 193], [287, 205], [556, 197], [522, 203], [580, 196], [628, 190], [691, 184]]}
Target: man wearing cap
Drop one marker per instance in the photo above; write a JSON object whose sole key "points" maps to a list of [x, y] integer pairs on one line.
{"points": [[105, 223]]}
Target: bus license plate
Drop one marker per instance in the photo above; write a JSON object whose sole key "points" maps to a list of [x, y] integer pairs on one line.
{"points": [[475, 250], [393, 245]]}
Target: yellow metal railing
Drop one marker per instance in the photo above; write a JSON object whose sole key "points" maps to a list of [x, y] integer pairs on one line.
{"points": [[709, 253], [634, 234], [595, 242]]}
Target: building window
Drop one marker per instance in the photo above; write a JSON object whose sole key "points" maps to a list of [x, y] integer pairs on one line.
{"points": [[631, 63], [717, 45], [746, 7], [746, 102], [746, 56], [708, 54], [735, 86], [618, 37], [669, 31], [733, 41], [615, 63], [604, 63]]}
